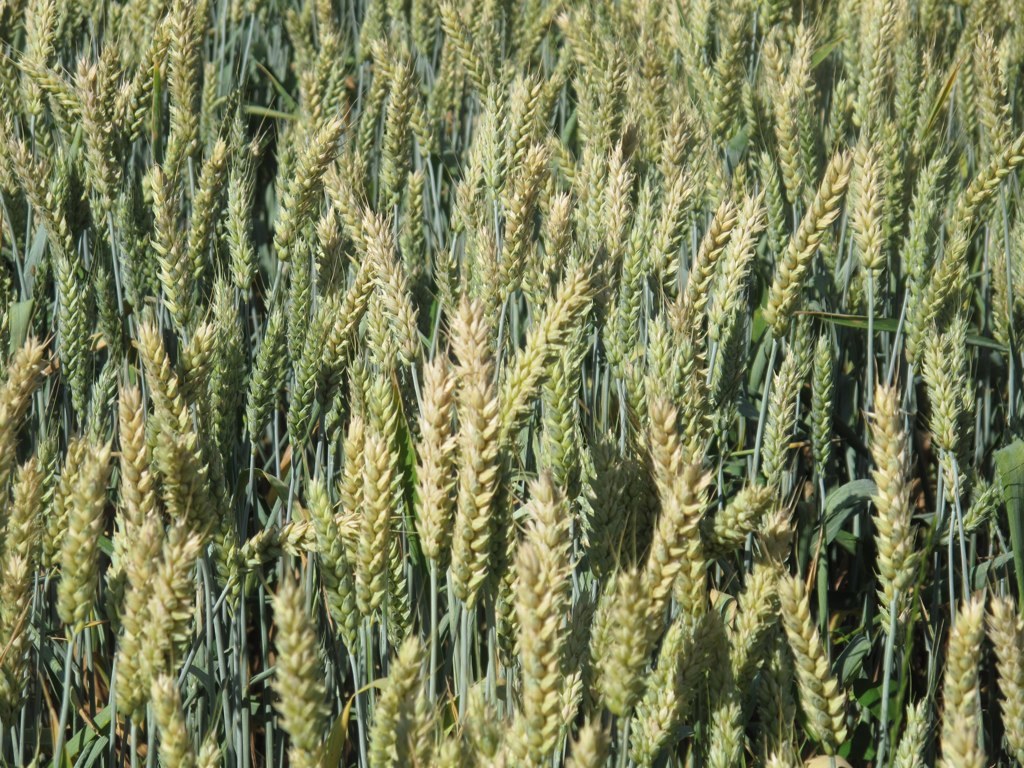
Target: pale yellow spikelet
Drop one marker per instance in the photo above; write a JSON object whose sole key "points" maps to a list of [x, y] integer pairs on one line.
{"points": [[867, 201], [79, 560], [910, 751], [959, 739], [822, 701], [480, 420], [436, 461], [399, 734], [676, 560], [542, 604], [175, 745], [298, 199], [711, 249], [299, 679], [15, 608], [757, 616], [894, 534], [729, 527], [376, 524], [1006, 630], [590, 747], [787, 284], [24, 374], [619, 651], [544, 341], [23, 527]]}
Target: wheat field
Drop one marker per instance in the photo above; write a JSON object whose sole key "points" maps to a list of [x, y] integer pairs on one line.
{"points": [[473, 383]]}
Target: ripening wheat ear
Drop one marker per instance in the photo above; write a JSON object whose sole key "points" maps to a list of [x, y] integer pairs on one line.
{"points": [[300, 194], [544, 342], [138, 499], [822, 393], [242, 251], [731, 276], [867, 201], [821, 699], [79, 560], [676, 563], [24, 374], [543, 600], [268, 375], [985, 185], [299, 678], [133, 617], [23, 527], [375, 528], [335, 562], [757, 618], [712, 247], [781, 418], [15, 664], [461, 39], [1006, 630], [961, 696], [520, 205], [175, 744], [910, 752], [177, 456], [590, 747], [138, 495], [436, 461], [479, 420], [619, 648], [894, 535], [729, 527], [671, 687], [402, 730], [169, 602], [393, 288], [395, 152], [787, 284], [206, 208]]}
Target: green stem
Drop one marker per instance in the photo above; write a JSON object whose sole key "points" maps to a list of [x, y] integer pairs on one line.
{"points": [[432, 688], [764, 405], [870, 386], [65, 701], [463, 660], [890, 645]]}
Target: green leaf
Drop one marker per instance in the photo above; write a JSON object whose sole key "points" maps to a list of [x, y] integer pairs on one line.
{"points": [[851, 660], [278, 86], [847, 541], [890, 324], [869, 696], [82, 738], [841, 503], [824, 50], [1010, 465], [981, 574], [339, 731], [279, 487], [34, 258], [276, 114], [883, 324], [335, 746], [940, 99], [19, 319], [739, 142]]}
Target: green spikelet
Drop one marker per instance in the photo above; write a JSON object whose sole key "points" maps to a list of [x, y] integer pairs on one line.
{"points": [[298, 681]]}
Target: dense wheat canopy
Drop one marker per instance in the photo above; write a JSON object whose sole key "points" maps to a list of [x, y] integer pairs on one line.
{"points": [[542, 383]]}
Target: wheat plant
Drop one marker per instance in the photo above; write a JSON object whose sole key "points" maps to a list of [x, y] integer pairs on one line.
{"points": [[549, 383]]}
